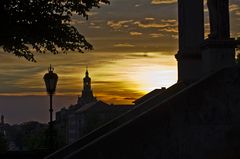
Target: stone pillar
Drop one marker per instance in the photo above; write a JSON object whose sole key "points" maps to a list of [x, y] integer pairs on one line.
{"points": [[218, 50], [191, 37], [217, 54]]}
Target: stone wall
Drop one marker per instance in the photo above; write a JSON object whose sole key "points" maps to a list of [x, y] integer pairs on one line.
{"points": [[201, 121]]}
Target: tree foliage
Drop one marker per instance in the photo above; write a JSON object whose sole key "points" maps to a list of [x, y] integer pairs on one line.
{"points": [[238, 51], [43, 25], [3, 144], [27, 136], [238, 56]]}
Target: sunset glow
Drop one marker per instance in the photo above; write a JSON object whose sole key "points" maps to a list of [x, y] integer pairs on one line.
{"points": [[116, 78], [134, 46]]}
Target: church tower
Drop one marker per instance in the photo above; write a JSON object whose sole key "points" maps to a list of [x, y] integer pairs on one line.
{"points": [[87, 94], [87, 83]]}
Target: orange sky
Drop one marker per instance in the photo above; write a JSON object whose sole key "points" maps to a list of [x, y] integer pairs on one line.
{"points": [[134, 45], [116, 77]]}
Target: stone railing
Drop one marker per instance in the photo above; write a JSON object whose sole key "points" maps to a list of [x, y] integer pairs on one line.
{"points": [[106, 128]]}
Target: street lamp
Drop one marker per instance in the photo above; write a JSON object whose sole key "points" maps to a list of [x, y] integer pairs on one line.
{"points": [[50, 80]]}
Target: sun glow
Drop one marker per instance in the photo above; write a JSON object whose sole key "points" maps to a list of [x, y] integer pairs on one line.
{"points": [[153, 77], [116, 77], [143, 73]]}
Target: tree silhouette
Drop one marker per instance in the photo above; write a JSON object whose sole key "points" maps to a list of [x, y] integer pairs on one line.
{"points": [[3, 144], [238, 57], [43, 25]]}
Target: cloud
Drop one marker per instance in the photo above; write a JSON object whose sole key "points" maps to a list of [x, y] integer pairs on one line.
{"points": [[92, 13], [169, 21], [175, 37], [150, 25], [137, 5], [171, 27], [77, 22], [156, 35], [170, 30], [94, 26], [166, 27], [134, 33], [233, 7], [118, 24], [238, 13], [162, 24], [124, 45], [149, 18], [163, 1]]}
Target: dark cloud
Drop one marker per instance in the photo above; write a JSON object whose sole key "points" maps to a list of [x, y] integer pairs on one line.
{"points": [[162, 2], [123, 21], [132, 39]]}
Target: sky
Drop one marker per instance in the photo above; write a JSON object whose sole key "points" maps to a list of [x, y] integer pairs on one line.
{"points": [[134, 46]]}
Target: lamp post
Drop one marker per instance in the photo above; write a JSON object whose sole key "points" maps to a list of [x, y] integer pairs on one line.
{"points": [[50, 80]]}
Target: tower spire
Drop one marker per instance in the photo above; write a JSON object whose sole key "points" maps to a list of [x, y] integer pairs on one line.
{"points": [[87, 94], [87, 71]]}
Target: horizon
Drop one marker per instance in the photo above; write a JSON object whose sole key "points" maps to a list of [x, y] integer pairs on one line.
{"points": [[116, 90], [135, 43]]}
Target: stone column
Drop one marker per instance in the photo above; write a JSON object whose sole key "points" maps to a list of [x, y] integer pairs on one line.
{"points": [[217, 54], [218, 50], [191, 36]]}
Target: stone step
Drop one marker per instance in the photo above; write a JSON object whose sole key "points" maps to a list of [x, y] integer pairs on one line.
{"points": [[116, 122], [199, 121]]}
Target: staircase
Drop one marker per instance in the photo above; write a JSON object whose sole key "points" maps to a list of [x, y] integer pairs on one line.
{"points": [[195, 121], [63, 152]]}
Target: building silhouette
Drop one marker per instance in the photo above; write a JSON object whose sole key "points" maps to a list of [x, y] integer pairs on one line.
{"points": [[87, 94], [86, 115], [196, 118]]}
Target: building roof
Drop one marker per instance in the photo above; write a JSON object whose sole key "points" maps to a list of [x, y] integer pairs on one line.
{"points": [[103, 107], [149, 95], [93, 105], [183, 106]]}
